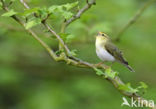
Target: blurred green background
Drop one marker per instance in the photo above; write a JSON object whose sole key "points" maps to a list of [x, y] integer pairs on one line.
{"points": [[30, 79]]}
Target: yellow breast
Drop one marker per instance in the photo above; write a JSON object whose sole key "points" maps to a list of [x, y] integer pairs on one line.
{"points": [[100, 42]]}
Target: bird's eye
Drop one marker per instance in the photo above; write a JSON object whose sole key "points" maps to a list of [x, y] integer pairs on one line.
{"points": [[103, 35]]}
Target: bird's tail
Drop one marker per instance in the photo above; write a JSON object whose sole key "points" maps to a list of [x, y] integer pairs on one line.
{"points": [[130, 68]]}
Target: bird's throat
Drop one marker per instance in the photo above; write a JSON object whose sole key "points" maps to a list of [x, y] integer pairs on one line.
{"points": [[100, 42]]}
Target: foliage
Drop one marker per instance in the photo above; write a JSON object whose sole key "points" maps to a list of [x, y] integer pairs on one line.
{"points": [[98, 72], [109, 73], [43, 13], [10, 13], [127, 87]]}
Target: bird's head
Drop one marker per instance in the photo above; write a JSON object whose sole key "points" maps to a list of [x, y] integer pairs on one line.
{"points": [[102, 37]]}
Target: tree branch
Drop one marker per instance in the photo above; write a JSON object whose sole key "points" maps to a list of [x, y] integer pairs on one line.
{"points": [[80, 12], [24, 3], [77, 16], [62, 43], [75, 61], [50, 29], [51, 52], [134, 19]]}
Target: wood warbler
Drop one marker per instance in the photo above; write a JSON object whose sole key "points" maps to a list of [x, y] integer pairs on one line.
{"points": [[107, 51]]}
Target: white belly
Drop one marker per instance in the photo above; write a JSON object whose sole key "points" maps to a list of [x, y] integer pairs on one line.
{"points": [[104, 55]]}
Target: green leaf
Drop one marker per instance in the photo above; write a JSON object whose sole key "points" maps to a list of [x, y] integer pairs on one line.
{"points": [[143, 85], [99, 72], [9, 13], [60, 8], [127, 87], [69, 6], [32, 23], [63, 9], [28, 12], [43, 13], [67, 15], [109, 73], [55, 8]]}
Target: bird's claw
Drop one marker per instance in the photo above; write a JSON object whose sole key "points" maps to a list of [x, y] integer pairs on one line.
{"points": [[102, 65]]}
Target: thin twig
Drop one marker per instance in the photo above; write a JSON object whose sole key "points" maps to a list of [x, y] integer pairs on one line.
{"points": [[51, 52], [80, 12], [58, 37], [62, 43], [50, 29], [134, 19], [89, 4], [24, 3], [77, 16]]}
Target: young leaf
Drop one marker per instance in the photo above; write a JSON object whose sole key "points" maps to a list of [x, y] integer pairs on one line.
{"points": [[69, 6], [67, 15], [63, 9], [9, 13], [143, 85], [99, 72], [28, 12], [55, 8], [127, 87], [33, 23], [43, 13], [109, 73]]}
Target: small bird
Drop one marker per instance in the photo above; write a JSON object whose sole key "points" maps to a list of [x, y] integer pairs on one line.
{"points": [[107, 51]]}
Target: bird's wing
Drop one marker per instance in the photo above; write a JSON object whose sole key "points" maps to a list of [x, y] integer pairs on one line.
{"points": [[114, 51]]}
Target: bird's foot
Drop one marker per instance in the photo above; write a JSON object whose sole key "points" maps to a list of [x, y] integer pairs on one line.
{"points": [[107, 67], [101, 64]]}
